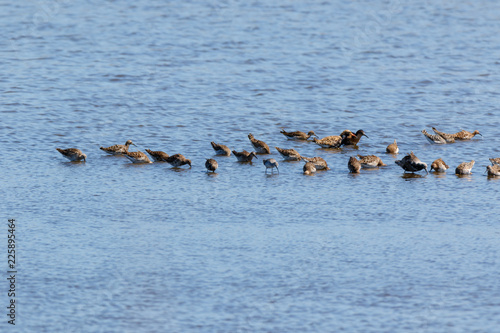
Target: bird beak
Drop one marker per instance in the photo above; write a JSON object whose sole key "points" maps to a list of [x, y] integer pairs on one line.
{"points": [[365, 135]]}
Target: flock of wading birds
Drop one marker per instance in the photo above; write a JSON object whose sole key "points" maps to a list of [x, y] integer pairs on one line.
{"points": [[410, 163]]}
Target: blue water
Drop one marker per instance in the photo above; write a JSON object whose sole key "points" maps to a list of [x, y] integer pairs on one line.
{"points": [[108, 246]]}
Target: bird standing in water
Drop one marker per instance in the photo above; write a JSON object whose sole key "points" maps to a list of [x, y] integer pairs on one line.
{"points": [[351, 139], [260, 146], [73, 154], [289, 154], [309, 168], [271, 163], [211, 164], [244, 156], [465, 168], [118, 149], [158, 156], [178, 160], [412, 163], [220, 149], [392, 148], [298, 135], [138, 157], [353, 165], [439, 166]]}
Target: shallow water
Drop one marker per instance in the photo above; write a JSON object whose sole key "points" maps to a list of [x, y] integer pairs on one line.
{"points": [[108, 246]]}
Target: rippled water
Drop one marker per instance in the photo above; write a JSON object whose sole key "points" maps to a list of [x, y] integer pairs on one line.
{"points": [[107, 246]]}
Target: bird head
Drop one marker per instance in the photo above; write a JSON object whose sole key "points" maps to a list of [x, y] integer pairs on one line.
{"points": [[311, 133], [361, 133]]}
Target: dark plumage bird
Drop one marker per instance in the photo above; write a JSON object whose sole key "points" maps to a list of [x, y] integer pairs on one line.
{"points": [[352, 139], [211, 164], [73, 154], [412, 163], [353, 165]]}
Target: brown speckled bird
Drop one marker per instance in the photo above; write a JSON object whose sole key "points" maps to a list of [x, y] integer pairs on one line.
{"points": [[73, 154], [439, 166], [138, 157], [309, 168], [157, 155], [220, 149], [493, 170], [465, 168], [318, 162], [392, 148], [118, 149], [244, 156], [298, 135], [465, 135], [289, 154], [370, 161], [353, 165], [260, 146], [178, 160], [433, 138], [495, 161], [333, 141], [449, 138]]}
